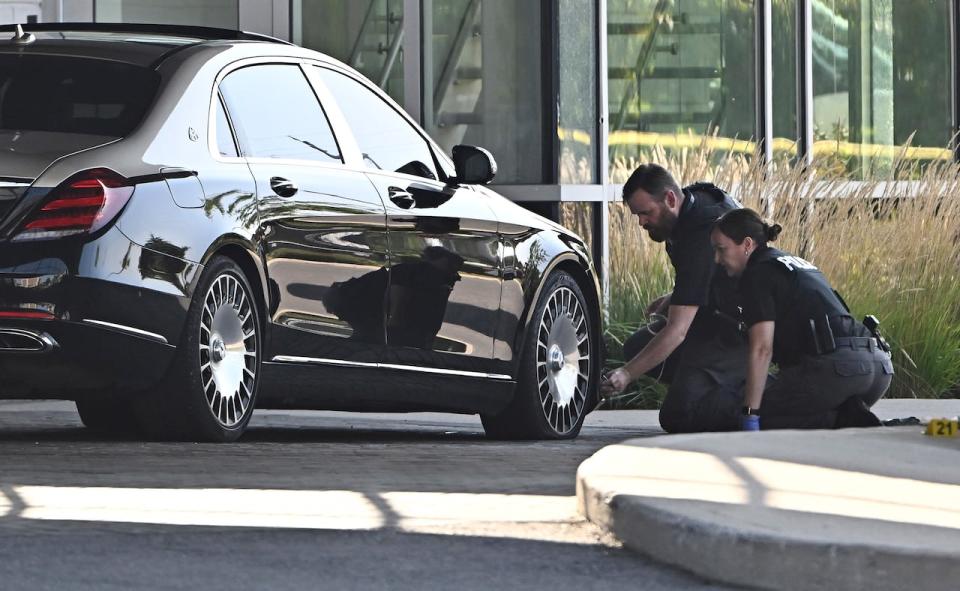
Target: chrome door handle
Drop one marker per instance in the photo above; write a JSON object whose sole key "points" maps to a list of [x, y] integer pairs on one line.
{"points": [[401, 197], [283, 187]]}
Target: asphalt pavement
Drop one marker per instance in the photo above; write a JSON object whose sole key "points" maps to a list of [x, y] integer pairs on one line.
{"points": [[308, 500]]}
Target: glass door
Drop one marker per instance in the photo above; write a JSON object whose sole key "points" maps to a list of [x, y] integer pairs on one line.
{"points": [[365, 34]]}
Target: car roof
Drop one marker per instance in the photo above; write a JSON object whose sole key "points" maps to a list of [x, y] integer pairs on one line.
{"points": [[141, 44]]}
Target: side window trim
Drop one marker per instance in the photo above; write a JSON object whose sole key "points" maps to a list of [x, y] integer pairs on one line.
{"points": [[230, 130], [342, 133], [323, 109], [213, 141]]}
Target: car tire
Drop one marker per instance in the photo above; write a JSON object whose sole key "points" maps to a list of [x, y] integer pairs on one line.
{"points": [[210, 390], [107, 416], [558, 369]]}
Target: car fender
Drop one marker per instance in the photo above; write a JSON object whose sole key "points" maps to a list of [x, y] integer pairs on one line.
{"points": [[532, 256], [246, 253]]}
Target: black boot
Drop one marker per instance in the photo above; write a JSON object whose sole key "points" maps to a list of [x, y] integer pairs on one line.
{"points": [[854, 413]]}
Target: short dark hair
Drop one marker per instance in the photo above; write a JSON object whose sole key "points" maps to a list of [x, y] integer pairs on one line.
{"points": [[653, 179], [738, 224]]}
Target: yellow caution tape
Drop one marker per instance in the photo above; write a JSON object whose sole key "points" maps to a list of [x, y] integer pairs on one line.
{"points": [[629, 137], [943, 428]]}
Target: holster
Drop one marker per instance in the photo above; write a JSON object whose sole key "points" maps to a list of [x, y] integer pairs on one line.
{"points": [[873, 325], [821, 340]]}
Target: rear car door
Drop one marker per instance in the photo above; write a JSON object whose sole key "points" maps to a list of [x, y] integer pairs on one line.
{"points": [[323, 225], [444, 293]]}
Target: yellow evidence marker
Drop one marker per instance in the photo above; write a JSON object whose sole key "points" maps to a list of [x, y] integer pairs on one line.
{"points": [[943, 428]]}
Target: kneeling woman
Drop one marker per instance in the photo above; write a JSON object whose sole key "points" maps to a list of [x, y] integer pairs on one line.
{"points": [[832, 369]]}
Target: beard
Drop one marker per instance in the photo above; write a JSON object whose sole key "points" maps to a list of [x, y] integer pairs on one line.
{"points": [[660, 233], [663, 229], [657, 234]]}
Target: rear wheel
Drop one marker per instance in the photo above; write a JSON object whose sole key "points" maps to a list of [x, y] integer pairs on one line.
{"points": [[210, 391], [557, 369]]}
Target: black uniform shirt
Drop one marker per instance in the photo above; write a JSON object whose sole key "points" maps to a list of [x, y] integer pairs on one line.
{"points": [[699, 280], [791, 292]]}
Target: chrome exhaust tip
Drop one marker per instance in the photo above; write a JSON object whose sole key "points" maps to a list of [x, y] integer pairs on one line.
{"points": [[18, 340]]}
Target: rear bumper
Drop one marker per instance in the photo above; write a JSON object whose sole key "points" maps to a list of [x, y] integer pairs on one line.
{"points": [[80, 317], [80, 359]]}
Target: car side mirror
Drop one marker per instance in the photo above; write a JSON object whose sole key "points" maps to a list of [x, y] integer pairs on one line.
{"points": [[475, 166]]}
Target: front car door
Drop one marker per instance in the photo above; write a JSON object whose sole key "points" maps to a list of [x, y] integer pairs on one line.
{"points": [[444, 294]]}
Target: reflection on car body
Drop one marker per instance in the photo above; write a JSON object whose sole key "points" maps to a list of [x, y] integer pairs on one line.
{"points": [[187, 248]]}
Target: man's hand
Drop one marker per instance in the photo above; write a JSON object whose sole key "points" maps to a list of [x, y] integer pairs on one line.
{"points": [[615, 382]]}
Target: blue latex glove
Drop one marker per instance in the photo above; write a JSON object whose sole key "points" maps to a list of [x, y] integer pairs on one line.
{"points": [[749, 423]]}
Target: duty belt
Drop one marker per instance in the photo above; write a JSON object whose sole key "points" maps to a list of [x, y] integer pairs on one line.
{"points": [[857, 343]]}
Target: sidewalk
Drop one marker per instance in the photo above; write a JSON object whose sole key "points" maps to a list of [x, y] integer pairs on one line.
{"points": [[853, 509]]}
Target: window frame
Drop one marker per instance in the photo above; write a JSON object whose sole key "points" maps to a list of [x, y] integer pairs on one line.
{"points": [[214, 125], [244, 157]]}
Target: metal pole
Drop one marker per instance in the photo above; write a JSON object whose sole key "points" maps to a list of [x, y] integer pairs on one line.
{"points": [[603, 148], [296, 22], [805, 116], [428, 109], [955, 77], [805, 82], [764, 77], [413, 40], [550, 72]]}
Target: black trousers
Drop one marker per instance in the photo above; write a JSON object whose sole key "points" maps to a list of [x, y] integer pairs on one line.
{"points": [[706, 376], [806, 395]]}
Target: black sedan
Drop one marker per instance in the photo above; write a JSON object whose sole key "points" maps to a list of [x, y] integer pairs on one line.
{"points": [[196, 222]]}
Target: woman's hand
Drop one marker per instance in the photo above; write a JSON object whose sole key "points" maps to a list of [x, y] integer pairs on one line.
{"points": [[749, 423]]}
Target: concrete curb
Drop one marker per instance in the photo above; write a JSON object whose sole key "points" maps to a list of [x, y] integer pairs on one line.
{"points": [[713, 549]]}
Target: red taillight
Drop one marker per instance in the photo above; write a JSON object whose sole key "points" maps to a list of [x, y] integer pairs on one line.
{"points": [[83, 204], [26, 314]]}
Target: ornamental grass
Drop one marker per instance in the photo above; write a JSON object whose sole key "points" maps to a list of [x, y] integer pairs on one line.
{"points": [[890, 246]]}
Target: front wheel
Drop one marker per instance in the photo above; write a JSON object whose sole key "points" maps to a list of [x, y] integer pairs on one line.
{"points": [[211, 389], [557, 368]]}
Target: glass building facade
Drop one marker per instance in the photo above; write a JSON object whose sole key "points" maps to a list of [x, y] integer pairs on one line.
{"points": [[677, 68], [570, 94], [207, 13], [881, 77], [567, 94]]}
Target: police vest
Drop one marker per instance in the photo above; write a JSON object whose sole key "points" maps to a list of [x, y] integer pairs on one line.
{"points": [[716, 193], [806, 303]]}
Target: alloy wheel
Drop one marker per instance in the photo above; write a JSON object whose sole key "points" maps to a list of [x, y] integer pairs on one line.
{"points": [[228, 350], [563, 360]]}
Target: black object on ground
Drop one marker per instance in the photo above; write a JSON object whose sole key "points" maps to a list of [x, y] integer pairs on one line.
{"points": [[902, 421]]}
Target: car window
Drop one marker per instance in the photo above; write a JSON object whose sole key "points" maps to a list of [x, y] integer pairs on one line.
{"points": [[386, 139], [73, 95], [276, 114], [225, 143]]}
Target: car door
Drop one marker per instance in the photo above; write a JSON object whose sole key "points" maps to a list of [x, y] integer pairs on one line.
{"points": [[323, 225], [444, 293]]}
